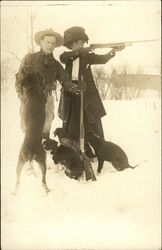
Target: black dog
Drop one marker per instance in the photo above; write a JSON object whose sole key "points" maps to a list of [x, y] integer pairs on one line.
{"points": [[32, 148], [108, 151], [67, 156], [65, 139]]}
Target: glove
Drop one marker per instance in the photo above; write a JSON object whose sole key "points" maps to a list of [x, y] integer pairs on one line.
{"points": [[81, 86], [77, 88]]}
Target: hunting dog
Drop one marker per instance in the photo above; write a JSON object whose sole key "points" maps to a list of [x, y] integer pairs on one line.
{"points": [[61, 133], [32, 148], [67, 155], [108, 151]]}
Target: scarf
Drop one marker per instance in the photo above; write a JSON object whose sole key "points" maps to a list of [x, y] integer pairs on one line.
{"points": [[75, 70]]}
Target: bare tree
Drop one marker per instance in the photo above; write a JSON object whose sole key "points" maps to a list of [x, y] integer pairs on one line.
{"points": [[102, 81], [125, 84], [27, 28], [11, 53], [32, 16], [5, 68]]}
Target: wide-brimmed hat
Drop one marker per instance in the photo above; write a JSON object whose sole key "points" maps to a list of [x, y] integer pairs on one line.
{"points": [[48, 32], [74, 34]]}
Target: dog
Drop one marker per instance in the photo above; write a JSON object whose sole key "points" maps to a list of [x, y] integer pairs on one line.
{"points": [[32, 148], [67, 156], [108, 151], [65, 139]]}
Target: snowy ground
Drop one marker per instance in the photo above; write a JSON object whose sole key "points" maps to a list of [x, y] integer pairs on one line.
{"points": [[121, 210]]}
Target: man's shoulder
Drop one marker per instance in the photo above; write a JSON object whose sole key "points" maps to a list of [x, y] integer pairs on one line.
{"points": [[34, 54], [31, 54]]}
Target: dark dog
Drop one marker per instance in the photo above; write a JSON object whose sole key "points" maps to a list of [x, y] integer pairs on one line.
{"points": [[67, 156], [32, 148], [108, 151], [61, 133], [52, 146]]}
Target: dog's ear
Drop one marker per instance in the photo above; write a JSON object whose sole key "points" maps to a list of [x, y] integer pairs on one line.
{"points": [[55, 132], [58, 131], [56, 161]]}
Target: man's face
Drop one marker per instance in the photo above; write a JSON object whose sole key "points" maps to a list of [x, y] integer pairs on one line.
{"points": [[48, 44]]}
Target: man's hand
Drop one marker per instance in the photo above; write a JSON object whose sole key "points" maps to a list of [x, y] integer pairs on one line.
{"points": [[22, 98], [23, 94], [48, 89]]}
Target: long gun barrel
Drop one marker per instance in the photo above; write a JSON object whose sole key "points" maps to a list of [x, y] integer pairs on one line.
{"points": [[115, 45]]}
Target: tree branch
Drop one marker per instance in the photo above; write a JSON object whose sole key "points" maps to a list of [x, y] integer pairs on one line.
{"points": [[12, 53]]}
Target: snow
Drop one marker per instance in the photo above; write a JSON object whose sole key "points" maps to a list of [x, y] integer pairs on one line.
{"points": [[121, 210]]}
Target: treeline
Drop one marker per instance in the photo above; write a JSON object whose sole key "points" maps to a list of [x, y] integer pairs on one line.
{"points": [[124, 85]]}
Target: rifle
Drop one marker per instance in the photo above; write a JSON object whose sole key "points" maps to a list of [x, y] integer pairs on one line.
{"points": [[89, 174], [116, 45]]}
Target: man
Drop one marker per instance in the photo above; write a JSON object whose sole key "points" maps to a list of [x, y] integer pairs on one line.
{"points": [[43, 66], [34, 84], [46, 69]]}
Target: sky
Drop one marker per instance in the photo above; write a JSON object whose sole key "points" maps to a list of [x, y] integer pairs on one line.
{"points": [[104, 22]]}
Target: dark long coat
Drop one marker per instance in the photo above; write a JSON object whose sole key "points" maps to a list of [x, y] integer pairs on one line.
{"points": [[69, 108]]}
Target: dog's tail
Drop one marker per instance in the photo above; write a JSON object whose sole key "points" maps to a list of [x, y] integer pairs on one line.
{"points": [[137, 164]]}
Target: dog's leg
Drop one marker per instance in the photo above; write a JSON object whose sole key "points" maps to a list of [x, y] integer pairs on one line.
{"points": [[30, 169], [41, 159], [43, 170], [19, 168], [100, 165]]}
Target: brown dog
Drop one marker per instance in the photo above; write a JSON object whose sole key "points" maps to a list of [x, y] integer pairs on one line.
{"points": [[32, 148]]}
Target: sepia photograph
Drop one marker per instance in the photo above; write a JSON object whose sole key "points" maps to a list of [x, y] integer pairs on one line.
{"points": [[81, 125]]}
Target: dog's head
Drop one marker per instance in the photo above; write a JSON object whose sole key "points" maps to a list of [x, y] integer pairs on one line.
{"points": [[50, 144], [73, 174], [60, 132], [74, 171], [91, 137]]}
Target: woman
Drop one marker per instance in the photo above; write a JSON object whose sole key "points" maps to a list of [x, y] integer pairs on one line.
{"points": [[78, 63]]}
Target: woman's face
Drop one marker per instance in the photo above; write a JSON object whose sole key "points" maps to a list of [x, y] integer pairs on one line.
{"points": [[78, 45]]}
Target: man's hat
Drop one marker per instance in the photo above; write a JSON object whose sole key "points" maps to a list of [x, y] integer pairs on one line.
{"points": [[74, 34], [48, 32]]}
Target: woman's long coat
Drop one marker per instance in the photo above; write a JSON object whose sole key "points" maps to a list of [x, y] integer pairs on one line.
{"points": [[70, 103]]}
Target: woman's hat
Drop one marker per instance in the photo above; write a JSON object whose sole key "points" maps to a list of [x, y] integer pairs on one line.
{"points": [[48, 32], [73, 34]]}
